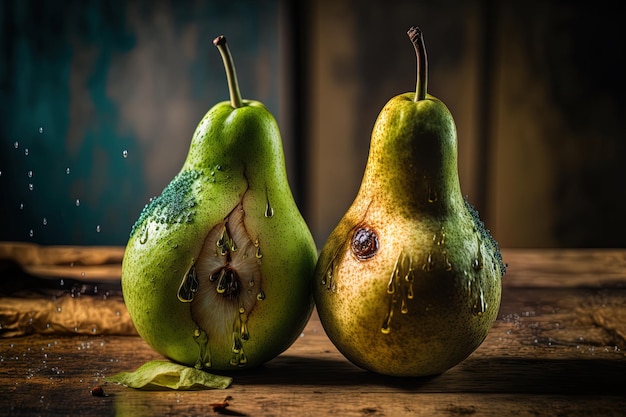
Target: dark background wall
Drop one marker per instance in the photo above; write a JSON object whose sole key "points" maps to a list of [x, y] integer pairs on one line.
{"points": [[117, 89], [99, 101], [536, 91]]}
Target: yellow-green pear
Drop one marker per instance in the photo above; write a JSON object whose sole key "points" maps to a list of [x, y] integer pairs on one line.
{"points": [[217, 270], [409, 281]]}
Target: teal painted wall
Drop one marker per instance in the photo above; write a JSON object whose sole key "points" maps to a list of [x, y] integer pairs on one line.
{"points": [[98, 102]]}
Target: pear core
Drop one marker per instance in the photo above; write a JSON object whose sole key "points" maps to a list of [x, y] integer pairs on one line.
{"points": [[224, 284]]}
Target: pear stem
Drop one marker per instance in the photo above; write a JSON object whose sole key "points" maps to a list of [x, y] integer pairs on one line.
{"points": [[415, 34], [233, 85]]}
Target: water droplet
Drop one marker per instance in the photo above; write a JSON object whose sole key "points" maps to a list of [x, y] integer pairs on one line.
{"points": [[328, 279], [477, 264], [77, 202], [269, 210], [125, 153], [245, 334], [446, 261], [440, 238], [432, 195], [404, 308], [40, 129], [67, 171], [98, 229], [30, 174], [31, 187], [428, 266], [260, 296], [391, 285], [21, 206], [16, 144], [26, 151], [189, 286], [386, 327], [44, 221], [237, 346], [31, 233], [480, 304], [204, 354], [144, 235]]}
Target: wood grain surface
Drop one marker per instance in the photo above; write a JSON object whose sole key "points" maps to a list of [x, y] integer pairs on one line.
{"points": [[557, 349]]}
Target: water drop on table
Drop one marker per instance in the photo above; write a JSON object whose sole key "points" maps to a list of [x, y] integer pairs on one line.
{"points": [[40, 129], [125, 153], [16, 144], [77, 202]]}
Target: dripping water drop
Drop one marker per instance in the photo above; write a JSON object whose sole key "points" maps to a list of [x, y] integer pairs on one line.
{"points": [[432, 195]]}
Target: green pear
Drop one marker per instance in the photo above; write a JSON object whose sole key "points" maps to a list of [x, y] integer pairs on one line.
{"points": [[409, 282], [217, 270]]}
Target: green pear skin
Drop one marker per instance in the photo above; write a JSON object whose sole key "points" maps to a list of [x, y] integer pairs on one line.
{"points": [[409, 281], [217, 270]]}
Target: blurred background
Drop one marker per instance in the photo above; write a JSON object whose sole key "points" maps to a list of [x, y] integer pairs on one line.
{"points": [[99, 100]]}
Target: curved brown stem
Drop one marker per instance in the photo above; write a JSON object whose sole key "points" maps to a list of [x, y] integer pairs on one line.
{"points": [[233, 85], [415, 34]]}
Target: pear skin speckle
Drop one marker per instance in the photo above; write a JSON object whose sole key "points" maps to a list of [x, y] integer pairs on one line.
{"points": [[409, 281]]}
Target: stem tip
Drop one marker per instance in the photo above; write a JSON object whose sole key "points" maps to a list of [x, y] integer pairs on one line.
{"points": [[220, 40]]}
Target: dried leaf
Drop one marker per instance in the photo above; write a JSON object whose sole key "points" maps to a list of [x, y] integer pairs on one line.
{"points": [[159, 374]]}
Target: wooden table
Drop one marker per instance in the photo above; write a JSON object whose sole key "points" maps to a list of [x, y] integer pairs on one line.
{"points": [[557, 349]]}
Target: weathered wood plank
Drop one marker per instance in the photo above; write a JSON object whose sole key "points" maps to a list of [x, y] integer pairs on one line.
{"points": [[554, 350], [565, 267]]}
